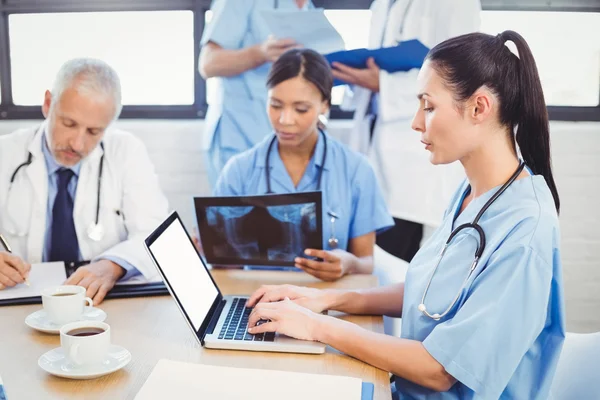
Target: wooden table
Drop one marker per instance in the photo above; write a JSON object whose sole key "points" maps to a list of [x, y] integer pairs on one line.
{"points": [[152, 328]]}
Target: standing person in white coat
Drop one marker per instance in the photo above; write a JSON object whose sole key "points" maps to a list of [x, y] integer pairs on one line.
{"points": [[74, 190], [415, 190]]}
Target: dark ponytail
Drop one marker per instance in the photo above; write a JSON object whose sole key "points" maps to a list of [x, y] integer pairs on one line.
{"points": [[471, 61]]}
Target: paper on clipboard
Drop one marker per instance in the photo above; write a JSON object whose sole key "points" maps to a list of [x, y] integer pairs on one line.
{"points": [[310, 28], [42, 276]]}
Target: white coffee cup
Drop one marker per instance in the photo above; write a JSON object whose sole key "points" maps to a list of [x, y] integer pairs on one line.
{"points": [[85, 342], [65, 304]]}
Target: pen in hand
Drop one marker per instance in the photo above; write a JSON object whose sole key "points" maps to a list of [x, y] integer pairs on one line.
{"points": [[9, 250]]}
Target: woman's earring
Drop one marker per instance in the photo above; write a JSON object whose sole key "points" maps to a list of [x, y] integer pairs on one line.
{"points": [[323, 121]]}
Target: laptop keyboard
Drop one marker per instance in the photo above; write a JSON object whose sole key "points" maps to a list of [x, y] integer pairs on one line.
{"points": [[235, 326]]}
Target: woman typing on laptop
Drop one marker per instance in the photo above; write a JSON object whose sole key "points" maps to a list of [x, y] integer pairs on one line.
{"points": [[302, 157], [482, 305]]}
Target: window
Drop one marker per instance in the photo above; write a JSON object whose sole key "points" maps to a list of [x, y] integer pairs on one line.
{"points": [[154, 46], [566, 46], [153, 52]]}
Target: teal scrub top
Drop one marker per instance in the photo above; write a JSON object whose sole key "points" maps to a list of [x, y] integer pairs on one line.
{"points": [[503, 337], [349, 186]]}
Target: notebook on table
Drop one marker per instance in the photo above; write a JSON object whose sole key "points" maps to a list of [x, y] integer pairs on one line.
{"points": [[187, 381]]}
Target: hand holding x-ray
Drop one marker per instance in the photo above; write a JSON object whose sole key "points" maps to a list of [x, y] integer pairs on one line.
{"points": [[329, 266]]}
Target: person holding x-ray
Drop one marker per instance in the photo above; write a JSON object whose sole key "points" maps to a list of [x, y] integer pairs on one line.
{"points": [[237, 48], [382, 104], [72, 189], [299, 156]]}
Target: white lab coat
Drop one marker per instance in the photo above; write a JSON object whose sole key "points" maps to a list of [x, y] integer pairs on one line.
{"points": [[129, 186], [414, 189]]}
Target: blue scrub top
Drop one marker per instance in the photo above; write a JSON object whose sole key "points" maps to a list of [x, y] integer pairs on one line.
{"points": [[349, 187], [503, 337], [237, 120]]}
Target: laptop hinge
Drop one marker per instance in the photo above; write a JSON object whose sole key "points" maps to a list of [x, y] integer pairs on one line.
{"points": [[214, 319]]}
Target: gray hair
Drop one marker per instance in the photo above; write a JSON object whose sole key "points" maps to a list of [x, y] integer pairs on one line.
{"points": [[89, 76]]}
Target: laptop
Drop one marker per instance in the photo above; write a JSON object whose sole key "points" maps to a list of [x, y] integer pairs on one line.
{"points": [[218, 322]]}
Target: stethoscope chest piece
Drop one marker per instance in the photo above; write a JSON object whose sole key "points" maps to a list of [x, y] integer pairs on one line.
{"points": [[95, 232], [333, 241]]}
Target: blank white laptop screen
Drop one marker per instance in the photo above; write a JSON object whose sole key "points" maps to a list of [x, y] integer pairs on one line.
{"points": [[183, 268]]}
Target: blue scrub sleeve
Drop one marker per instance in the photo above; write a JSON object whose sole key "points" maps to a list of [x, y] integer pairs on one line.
{"points": [[369, 211], [504, 313], [229, 23], [230, 182]]}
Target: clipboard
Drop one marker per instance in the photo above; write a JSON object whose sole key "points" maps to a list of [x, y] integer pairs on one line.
{"points": [[117, 292], [403, 57]]}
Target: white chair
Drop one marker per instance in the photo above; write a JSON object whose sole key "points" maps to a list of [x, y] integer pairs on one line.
{"points": [[578, 371]]}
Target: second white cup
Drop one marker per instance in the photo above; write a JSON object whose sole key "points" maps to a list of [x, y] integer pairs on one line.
{"points": [[65, 304], [85, 343]]}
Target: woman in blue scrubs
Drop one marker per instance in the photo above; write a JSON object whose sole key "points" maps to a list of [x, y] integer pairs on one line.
{"points": [[480, 319], [304, 158], [237, 48]]}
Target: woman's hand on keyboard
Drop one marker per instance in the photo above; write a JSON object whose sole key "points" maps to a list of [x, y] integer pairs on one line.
{"points": [[285, 317], [315, 300]]}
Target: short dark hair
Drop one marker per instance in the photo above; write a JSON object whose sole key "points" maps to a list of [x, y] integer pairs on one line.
{"points": [[306, 63], [471, 61]]}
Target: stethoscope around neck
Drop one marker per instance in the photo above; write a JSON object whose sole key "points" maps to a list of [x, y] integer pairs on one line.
{"points": [[332, 241], [478, 252], [95, 231]]}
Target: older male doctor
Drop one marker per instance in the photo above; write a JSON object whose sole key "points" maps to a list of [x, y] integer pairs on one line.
{"points": [[75, 190], [415, 190]]}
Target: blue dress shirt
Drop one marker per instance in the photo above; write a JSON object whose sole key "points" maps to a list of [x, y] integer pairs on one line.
{"points": [[52, 166]]}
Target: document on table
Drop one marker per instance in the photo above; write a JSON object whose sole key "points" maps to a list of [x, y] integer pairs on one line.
{"points": [[42, 276], [310, 28], [186, 381]]}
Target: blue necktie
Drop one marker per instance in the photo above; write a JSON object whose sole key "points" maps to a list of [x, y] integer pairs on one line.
{"points": [[64, 245]]}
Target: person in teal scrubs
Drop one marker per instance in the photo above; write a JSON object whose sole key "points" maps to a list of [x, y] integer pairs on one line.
{"points": [[302, 157], [237, 48], [482, 306]]}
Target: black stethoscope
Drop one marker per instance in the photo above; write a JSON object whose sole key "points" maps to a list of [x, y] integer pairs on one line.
{"points": [[332, 241], [478, 252], [95, 231]]}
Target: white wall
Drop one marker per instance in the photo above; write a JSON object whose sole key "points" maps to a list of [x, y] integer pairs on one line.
{"points": [[174, 146]]}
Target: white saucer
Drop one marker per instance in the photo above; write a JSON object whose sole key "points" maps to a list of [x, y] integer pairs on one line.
{"points": [[39, 320], [56, 363]]}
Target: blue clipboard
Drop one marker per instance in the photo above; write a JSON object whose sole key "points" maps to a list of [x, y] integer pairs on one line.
{"points": [[403, 57]]}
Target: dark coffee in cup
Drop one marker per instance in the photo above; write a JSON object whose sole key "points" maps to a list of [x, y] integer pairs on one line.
{"points": [[63, 294], [91, 331]]}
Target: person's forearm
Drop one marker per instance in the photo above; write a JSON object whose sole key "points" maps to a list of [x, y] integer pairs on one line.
{"points": [[384, 300], [216, 61], [362, 265], [405, 358]]}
